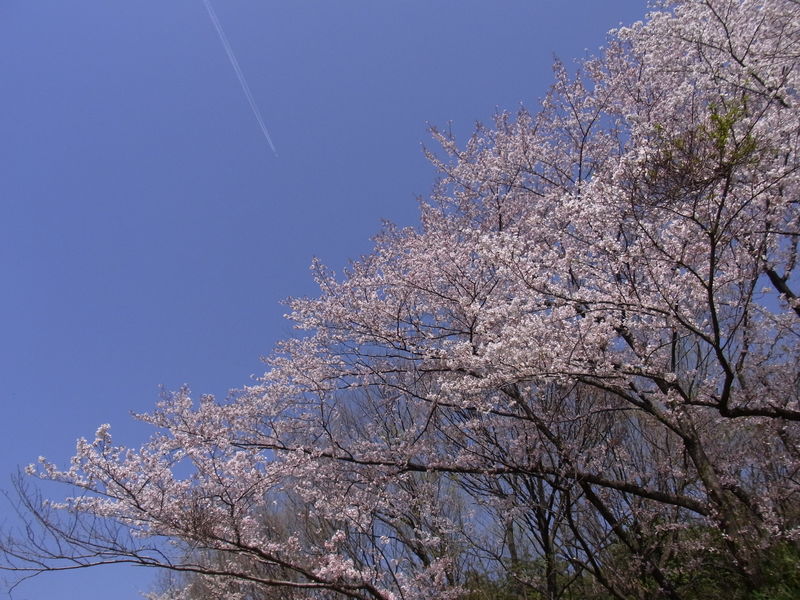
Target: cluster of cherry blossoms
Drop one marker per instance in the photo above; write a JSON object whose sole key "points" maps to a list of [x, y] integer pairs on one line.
{"points": [[578, 375]]}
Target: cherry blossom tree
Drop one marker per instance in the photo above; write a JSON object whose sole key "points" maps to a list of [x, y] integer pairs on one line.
{"points": [[577, 376]]}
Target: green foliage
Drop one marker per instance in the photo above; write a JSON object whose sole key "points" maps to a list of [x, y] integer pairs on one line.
{"points": [[708, 153], [710, 575], [781, 574], [721, 132]]}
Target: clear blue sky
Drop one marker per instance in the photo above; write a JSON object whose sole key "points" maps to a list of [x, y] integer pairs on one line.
{"points": [[147, 231]]}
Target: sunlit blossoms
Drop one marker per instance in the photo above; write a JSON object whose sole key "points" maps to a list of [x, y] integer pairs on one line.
{"points": [[576, 378]]}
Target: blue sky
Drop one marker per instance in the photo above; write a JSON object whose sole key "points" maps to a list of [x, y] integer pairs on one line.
{"points": [[148, 232]]}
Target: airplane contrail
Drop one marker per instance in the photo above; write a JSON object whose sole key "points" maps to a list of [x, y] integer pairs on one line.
{"points": [[242, 81]]}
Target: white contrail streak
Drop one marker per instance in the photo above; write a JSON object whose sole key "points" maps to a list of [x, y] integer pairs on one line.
{"points": [[242, 81]]}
